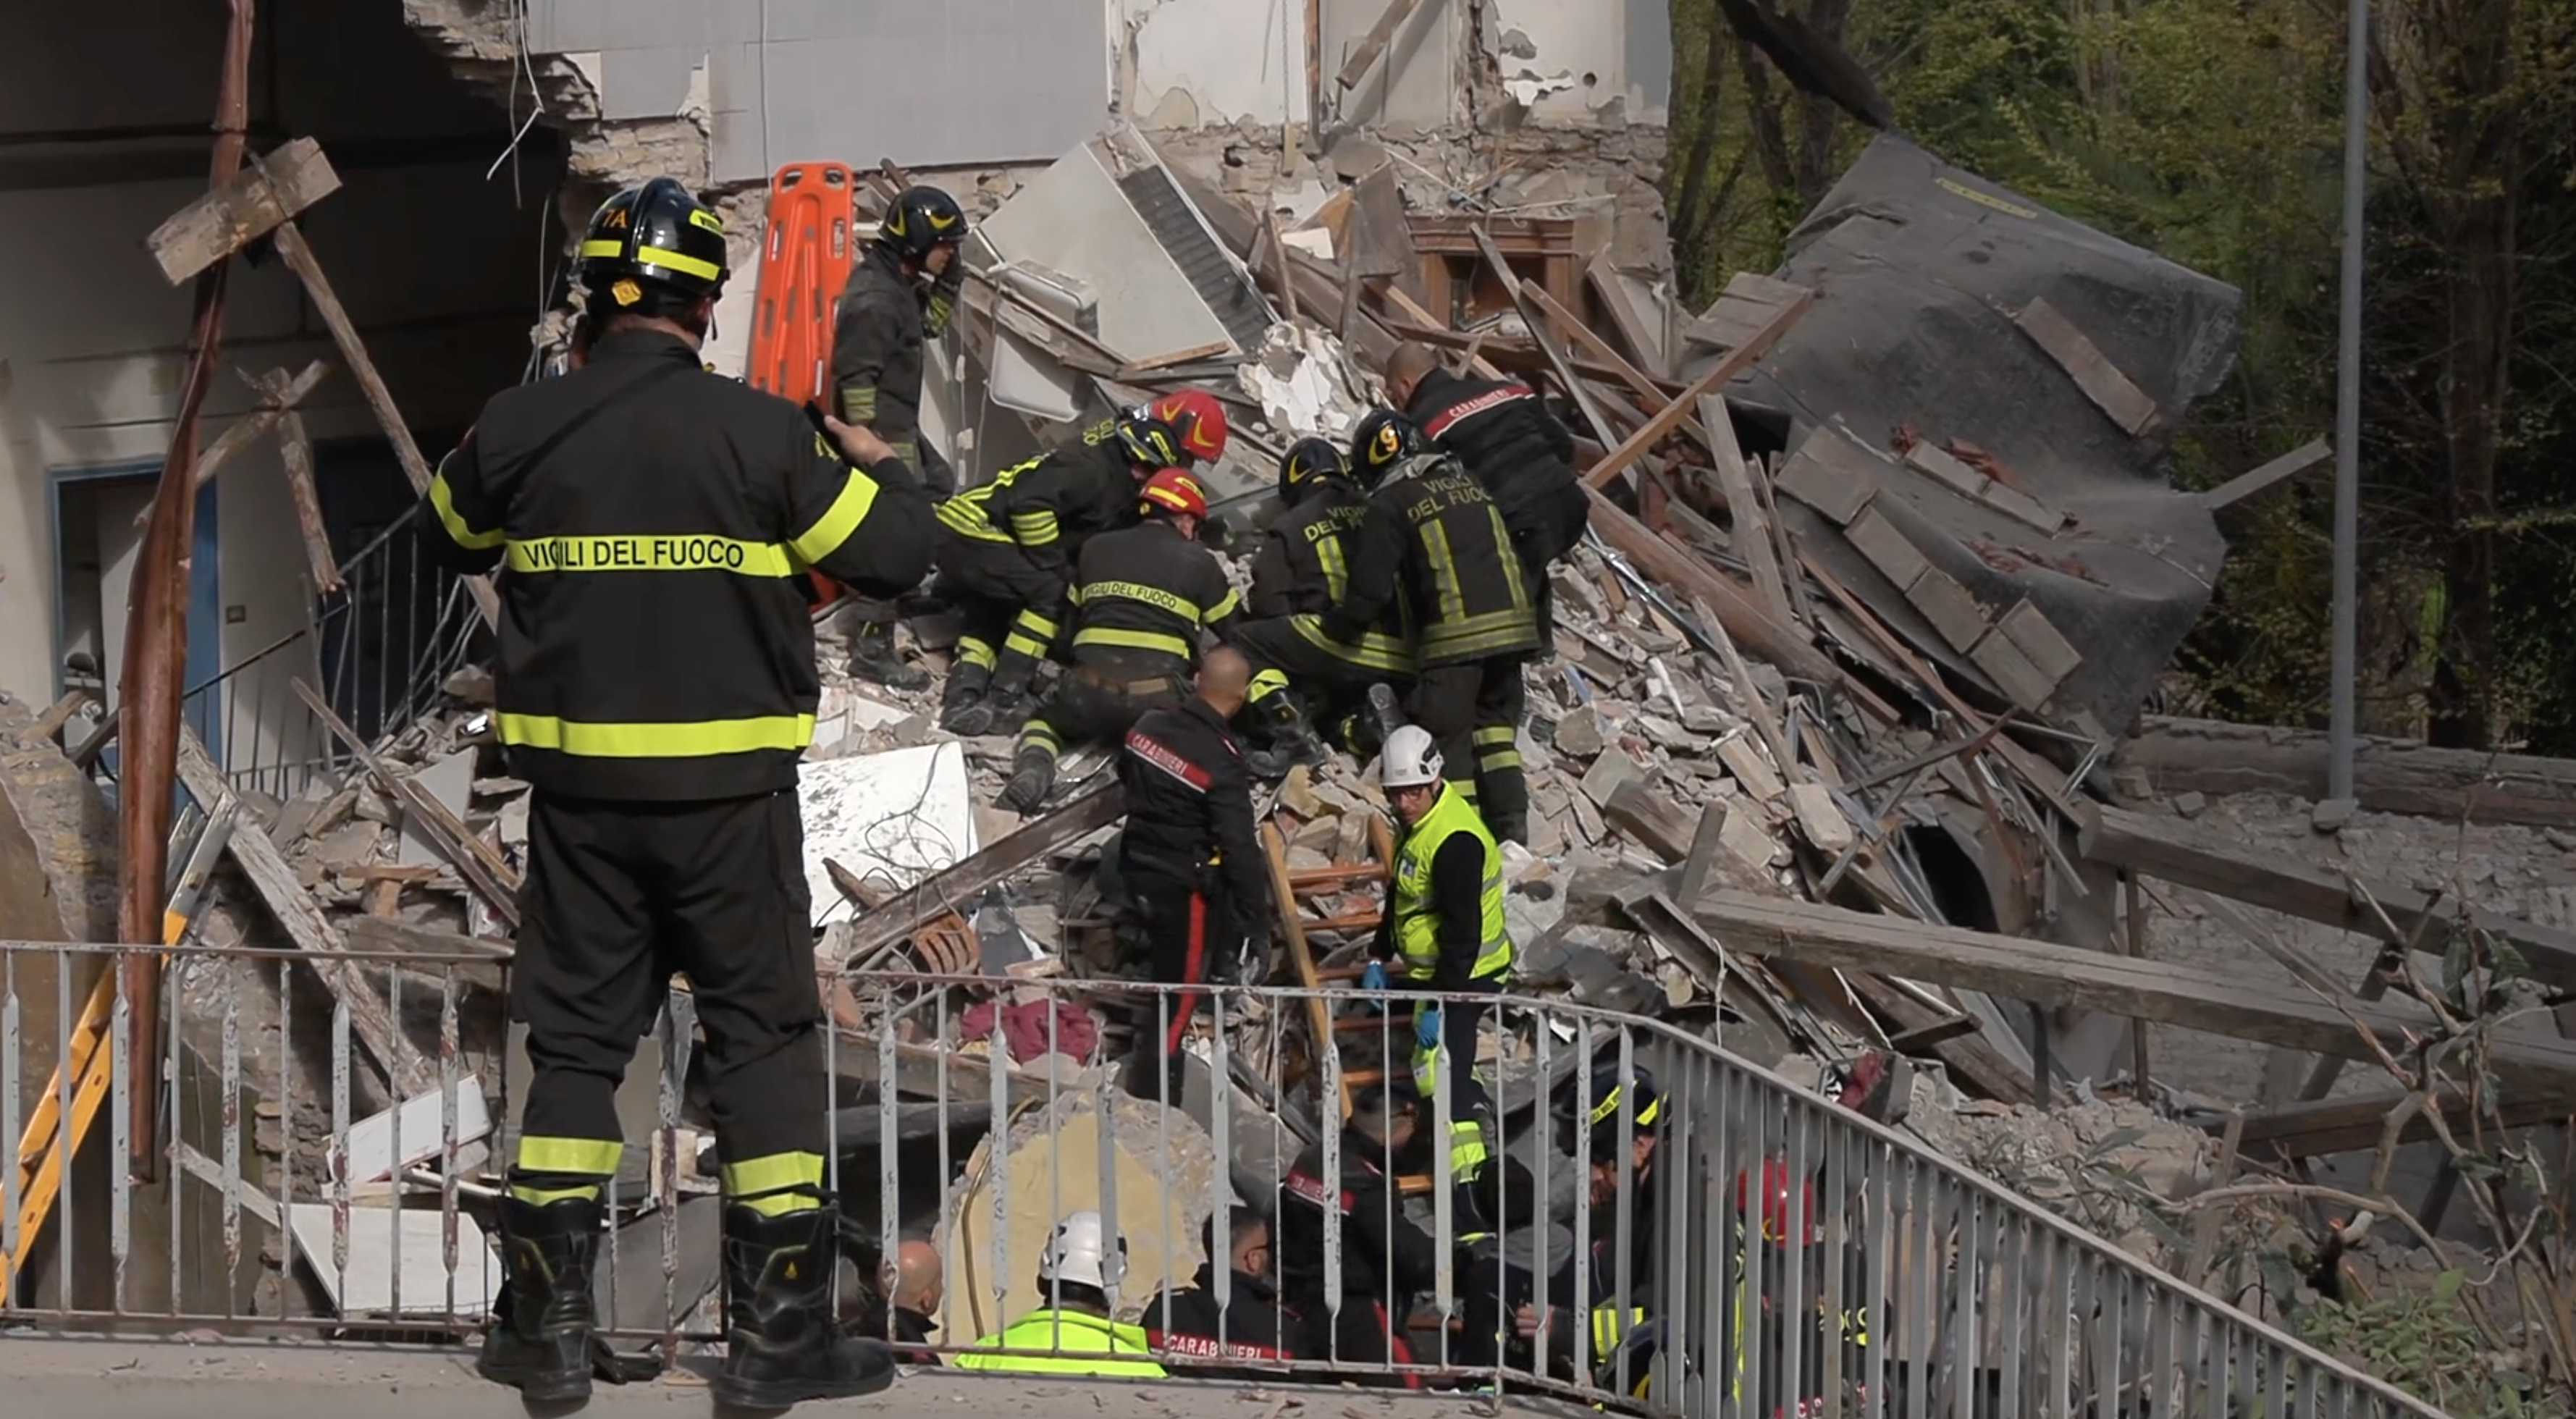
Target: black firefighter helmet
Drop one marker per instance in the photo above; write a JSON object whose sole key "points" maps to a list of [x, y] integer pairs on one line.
{"points": [[653, 240]]}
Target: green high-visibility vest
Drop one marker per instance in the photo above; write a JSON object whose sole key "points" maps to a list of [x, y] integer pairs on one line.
{"points": [[1084, 1345], [1417, 920]]}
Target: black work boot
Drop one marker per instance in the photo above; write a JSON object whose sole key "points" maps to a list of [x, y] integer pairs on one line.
{"points": [[963, 697], [1371, 728], [781, 1344], [1032, 774], [540, 1340], [1293, 740], [1002, 710], [874, 659]]}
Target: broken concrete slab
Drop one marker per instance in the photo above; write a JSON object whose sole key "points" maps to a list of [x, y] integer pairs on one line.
{"points": [[897, 817]]}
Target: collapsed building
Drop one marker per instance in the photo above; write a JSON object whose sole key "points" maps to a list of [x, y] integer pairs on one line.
{"points": [[1839, 760]]}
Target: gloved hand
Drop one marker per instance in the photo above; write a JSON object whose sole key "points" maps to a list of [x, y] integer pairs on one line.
{"points": [[1426, 1026], [1374, 978]]}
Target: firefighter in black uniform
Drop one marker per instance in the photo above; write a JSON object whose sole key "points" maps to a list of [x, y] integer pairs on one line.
{"points": [[1522, 453], [1143, 599], [1443, 546], [1007, 554], [1386, 1259], [1190, 1326], [900, 295], [1300, 572], [656, 685], [1191, 866]]}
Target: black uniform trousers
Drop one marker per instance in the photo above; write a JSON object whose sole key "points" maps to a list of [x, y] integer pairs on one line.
{"points": [[618, 896], [1473, 712], [1543, 530], [1191, 934], [1365, 1333], [1011, 606], [1103, 699], [1332, 686]]}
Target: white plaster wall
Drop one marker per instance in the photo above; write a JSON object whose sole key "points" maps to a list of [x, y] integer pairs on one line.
{"points": [[1417, 83], [1577, 40], [1195, 63], [94, 357]]}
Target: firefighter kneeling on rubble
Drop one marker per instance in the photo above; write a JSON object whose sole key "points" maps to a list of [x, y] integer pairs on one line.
{"points": [[656, 685], [1300, 572], [1073, 1333], [1146, 597]]}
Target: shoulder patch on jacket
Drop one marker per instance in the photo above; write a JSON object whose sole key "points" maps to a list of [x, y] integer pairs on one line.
{"points": [[1168, 759], [1466, 409]]}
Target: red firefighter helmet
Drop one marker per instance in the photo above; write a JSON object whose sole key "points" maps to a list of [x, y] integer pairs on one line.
{"points": [[1195, 415], [1786, 1201], [1172, 492]]}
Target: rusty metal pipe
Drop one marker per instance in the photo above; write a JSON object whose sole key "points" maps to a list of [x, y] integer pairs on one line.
{"points": [[156, 644]]}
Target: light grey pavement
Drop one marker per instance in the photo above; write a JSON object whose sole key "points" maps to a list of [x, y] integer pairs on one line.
{"points": [[177, 1379]]}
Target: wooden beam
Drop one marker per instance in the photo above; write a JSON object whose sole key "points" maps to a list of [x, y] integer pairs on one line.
{"points": [[2228, 866], [353, 351], [2102, 382], [2289, 465], [474, 858], [1412, 310], [1374, 43], [250, 427], [1636, 379], [1748, 624], [2348, 1125], [59, 713], [951, 887], [1210, 350], [370, 1018], [254, 202], [1752, 524], [2389, 775], [2051, 975], [1736, 362], [295, 454]]}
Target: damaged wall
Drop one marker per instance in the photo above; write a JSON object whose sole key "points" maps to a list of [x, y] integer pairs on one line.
{"points": [[1187, 63], [436, 266]]}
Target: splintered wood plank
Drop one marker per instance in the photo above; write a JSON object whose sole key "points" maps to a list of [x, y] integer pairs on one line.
{"points": [[1715, 377], [248, 206], [295, 454], [1752, 525], [2084, 362]]}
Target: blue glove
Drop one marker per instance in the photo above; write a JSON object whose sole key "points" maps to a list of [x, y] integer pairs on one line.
{"points": [[1374, 978], [1426, 1026]]}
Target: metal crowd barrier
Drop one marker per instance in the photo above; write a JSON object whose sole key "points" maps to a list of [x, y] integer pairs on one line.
{"points": [[1777, 1256]]}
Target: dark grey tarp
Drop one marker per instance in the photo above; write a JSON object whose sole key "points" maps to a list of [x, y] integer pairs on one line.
{"points": [[1919, 270]]}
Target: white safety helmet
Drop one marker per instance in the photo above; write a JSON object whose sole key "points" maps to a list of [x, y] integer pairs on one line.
{"points": [[1083, 1252], [1409, 760]]}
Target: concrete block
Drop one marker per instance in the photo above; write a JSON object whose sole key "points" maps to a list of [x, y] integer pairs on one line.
{"points": [[1947, 604], [2039, 639], [1752, 768], [1831, 474], [1887, 548]]}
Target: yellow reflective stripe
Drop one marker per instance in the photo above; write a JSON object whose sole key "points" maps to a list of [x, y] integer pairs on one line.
{"points": [[858, 494], [1223, 608], [701, 217], [1034, 529], [590, 1157], [1498, 758], [1038, 734], [1265, 683], [1134, 640], [1021, 644], [859, 404], [1337, 572], [1036, 624], [609, 247], [1511, 565], [964, 513], [1494, 734], [773, 1172], [1373, 651], [973, 651], [1470, 635], [685, 265], [648, 554], [459, 531], [1444, 574], [1153, 596], [600, 740], [542, 1196]]}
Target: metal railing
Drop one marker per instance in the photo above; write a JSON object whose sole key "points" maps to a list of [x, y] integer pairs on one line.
{"points": [[1772, 1254]]}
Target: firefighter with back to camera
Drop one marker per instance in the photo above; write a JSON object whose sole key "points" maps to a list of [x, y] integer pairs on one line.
{"points": [[892, 312], [1301, 570], [656, 686], [1009, 548], [1443, 547]]}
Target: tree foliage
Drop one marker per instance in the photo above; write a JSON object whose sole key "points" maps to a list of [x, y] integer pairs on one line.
{"points": [[2210, 131]]}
